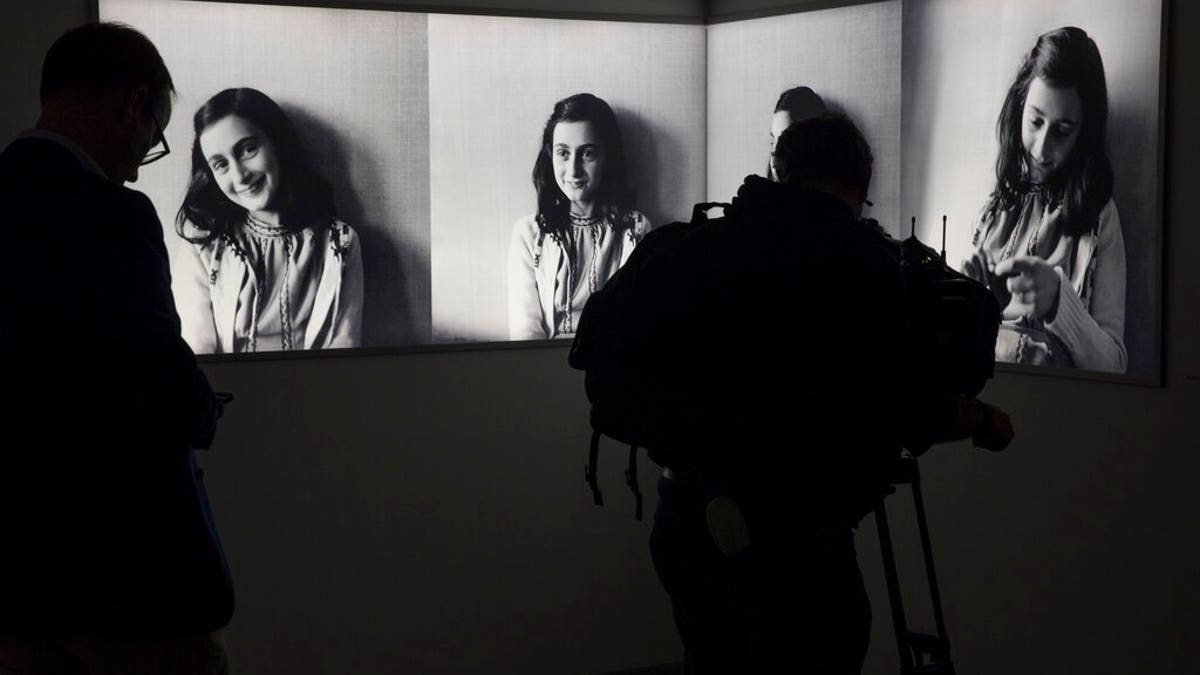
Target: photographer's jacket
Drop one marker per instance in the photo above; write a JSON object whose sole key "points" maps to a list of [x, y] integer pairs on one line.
{"points": [[795, 345]]}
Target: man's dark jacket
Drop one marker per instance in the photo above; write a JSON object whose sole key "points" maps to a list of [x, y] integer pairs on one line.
{"points": [[105, 525], [789, 323]]}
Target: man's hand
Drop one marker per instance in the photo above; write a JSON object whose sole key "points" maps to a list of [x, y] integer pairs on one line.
{"points": [[223, 399], [986, 425], [995, 430]]}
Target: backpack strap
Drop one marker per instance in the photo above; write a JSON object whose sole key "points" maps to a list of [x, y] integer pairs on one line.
{"points": [[631, 479], [589, 471]]}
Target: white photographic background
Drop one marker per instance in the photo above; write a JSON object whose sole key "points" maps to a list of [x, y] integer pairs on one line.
{"points": [[961, 56], [850, 56], [493, 83], [355, 85]]}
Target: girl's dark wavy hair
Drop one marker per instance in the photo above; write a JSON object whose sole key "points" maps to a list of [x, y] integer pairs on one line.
{"points": [[614, 196], [306, 199], [1065, 57], [799, 102]]}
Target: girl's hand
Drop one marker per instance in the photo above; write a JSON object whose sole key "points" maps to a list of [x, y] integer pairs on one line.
{"points": [[979, 268], [1033, 284], [976, 266]]}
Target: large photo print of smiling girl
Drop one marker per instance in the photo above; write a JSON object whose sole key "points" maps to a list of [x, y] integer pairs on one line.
{"points": [[273, 269], [555, 145], [295, 198], [1034, 128]]}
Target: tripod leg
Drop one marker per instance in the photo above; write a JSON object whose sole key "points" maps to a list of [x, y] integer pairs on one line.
{"points": [[893, 584], [927, 551]]}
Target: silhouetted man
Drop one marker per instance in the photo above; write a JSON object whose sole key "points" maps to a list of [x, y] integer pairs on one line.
{"points": [[794, 352], [110, 561]]}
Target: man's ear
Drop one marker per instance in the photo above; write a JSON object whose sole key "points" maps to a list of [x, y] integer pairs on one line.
{"points": [[135, 101], [861, 196]]}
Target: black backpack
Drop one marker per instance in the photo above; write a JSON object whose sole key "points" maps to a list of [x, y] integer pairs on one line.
{"points": [[624, 379], [619, 346]]}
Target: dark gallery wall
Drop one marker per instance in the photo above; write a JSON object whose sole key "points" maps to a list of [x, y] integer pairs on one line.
{"points": [[426, 513]]}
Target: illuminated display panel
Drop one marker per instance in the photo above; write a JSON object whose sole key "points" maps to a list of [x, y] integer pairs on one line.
{"points": [[426, 129], [960, 60]]}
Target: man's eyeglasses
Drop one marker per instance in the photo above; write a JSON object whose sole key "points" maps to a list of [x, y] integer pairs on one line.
{"points": [[156, 153]]}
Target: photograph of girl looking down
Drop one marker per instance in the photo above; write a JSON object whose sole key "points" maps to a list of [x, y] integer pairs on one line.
{"points": [[1049, 241], [271, 268], [585, 225]]}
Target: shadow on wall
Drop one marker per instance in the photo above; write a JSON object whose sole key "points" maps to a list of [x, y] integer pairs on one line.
{"points": [[1135, 192], [648, 150], [886, 201], [387, 309]]}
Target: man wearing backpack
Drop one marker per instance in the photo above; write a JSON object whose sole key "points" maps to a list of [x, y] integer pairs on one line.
{"points": [[795, 389]]}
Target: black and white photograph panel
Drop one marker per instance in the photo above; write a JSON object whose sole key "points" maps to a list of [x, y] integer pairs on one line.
{"points": [[294, 200], [1033, 127], [555, 146], [768, 72]]}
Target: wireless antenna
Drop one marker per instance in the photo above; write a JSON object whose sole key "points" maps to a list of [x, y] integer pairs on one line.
{"points": [[943, 238], [913, 231]]}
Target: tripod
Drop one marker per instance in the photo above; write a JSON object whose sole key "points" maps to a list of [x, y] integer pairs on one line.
{"points": [[920, 653]]}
